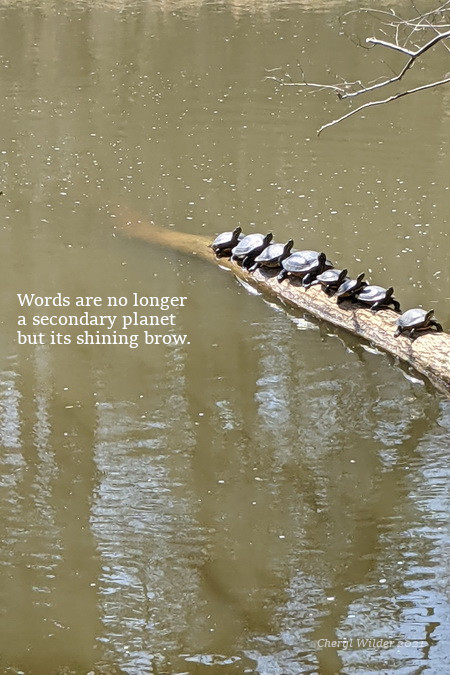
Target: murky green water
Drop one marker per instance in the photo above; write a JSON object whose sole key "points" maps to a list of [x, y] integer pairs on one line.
{"points": [[275, 493]]}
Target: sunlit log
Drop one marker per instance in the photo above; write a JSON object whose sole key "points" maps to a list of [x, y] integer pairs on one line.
{"points": [[429, 353]]}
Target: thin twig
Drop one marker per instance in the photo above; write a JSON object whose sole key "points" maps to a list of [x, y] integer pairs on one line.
{"points": [[313, 84], [425, 23], [382, 43], [404, 32], [409, 52], [382, 102], [413, 56]]}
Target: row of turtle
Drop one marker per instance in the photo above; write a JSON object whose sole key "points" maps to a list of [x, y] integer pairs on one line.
{"points": [[313, 267]]}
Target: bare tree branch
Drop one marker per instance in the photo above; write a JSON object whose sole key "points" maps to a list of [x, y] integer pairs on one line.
{"points": [[413, 56], [418, 52], [407, 38], [374, 41], [425, 23], [382, 102]]}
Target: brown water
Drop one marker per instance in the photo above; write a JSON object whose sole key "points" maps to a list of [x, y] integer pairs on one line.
{"points": [[261, 498]]}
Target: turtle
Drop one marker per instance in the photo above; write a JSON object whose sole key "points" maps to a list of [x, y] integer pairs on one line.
{"points": [[349, 287], [330, 280], [226, 241], [378, 297], [250, 247], [416, 319], [273, 255], [304, 264]]}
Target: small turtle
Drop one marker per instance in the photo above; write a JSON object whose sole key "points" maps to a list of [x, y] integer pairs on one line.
{"points": [[330, 280], [377, 297], [224, 242], [304, 264], [273, 255], [348, 289], [416, 319], [250, 247]]}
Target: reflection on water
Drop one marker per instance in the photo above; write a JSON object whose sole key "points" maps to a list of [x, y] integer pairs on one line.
{"points": [[246, 513], [269, 496]]}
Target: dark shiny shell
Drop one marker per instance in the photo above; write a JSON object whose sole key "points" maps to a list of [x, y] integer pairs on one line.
{"points": [[414, 318], [248, 244], [274, 254], [270, 253], [347, 286], [226, 240], [301, 261], [372, 294], [329, 276]]}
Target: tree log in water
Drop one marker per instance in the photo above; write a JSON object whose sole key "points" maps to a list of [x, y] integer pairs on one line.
{"points": [[429, 353]]}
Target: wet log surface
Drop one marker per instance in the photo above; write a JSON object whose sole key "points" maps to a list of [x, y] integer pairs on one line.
{"points": [[429, 353]]}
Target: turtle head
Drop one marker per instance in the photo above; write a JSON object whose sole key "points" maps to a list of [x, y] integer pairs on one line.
{"points": [[389, 292], [428, 315], [288, 246], [268, 238], [321, 263], [235, 236], [360, 277]]}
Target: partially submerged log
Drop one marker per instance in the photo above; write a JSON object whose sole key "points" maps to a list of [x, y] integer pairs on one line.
{"points": [[429, 353]]}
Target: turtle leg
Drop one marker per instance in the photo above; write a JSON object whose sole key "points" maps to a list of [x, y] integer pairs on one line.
{"points": [[396, 305], [412, 333], [254, 267], [283, 274], [306, 282], [398, 332], [437, 325], [375, 306]]}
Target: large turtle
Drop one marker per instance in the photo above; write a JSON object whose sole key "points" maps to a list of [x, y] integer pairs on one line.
{"points": [[414, 320], [330, 280], [273, 255], [349, 287], [226, 241], [304, 264], [377, 297], [250, 247]]}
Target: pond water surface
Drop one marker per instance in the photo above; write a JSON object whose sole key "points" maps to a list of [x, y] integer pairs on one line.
{"points": [[272, 495]]}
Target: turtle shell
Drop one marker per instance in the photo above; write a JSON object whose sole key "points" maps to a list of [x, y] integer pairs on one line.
{"points": [[371, 294], [227, 240], [302, 262], [297, 261], [330, 277], [415, 318], [248, 245], [272, 254], [305, 264], [378, 297], [350, 286], [330, 280]]}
